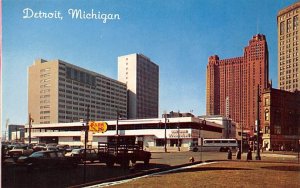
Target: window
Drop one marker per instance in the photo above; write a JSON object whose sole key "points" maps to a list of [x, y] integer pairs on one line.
{"points": [[160, 142], [267, 102], [267, 130], [267, 115], [277, 129], [76, 138]]}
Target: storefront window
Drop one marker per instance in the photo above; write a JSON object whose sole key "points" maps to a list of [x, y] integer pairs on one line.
{"points": [[160, 142]]}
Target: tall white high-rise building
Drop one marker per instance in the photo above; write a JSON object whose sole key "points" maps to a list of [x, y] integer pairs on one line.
{"points": [[141, 76]]}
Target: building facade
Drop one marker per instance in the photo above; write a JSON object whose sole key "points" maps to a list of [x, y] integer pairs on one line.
{"points": [[288, 48], [62, 92], [180, 131], [16, 133], [141, 76], [232, 84], [280, 119]]}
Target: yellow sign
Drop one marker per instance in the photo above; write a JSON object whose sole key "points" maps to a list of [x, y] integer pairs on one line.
{"points": [[97, 126]]}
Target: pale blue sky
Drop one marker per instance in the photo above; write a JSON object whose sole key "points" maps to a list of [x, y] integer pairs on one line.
{"points": [[179, 36]]}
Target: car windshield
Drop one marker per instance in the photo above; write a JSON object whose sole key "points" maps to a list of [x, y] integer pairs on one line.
{"points": [[76, 151], [19, 147], [37, 154]]}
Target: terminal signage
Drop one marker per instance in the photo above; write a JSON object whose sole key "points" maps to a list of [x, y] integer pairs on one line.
{"points": [[180, 134], [99, 127]]}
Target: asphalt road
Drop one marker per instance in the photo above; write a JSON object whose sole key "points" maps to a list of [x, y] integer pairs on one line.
{"points": [[15, 176]]}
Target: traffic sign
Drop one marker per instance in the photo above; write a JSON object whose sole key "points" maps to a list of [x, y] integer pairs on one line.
{"points": [[97, 126]]}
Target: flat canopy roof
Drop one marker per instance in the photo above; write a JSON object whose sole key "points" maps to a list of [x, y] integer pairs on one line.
{"points": [[130, 122]]}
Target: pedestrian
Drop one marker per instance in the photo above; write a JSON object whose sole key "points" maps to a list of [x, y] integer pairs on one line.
{"points": [[229, 156], [249, 155], [238, 154]]}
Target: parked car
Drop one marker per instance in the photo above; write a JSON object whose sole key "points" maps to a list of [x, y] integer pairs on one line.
{"points": [[39, 147], [47, 159], [51, 148], [19, 150], [4, 151], [91, 154], [64, 148]]}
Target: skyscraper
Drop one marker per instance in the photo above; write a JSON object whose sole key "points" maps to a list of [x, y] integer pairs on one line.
{"points": [[141, 76], [288, 48], [59, 92], [232, 84]]}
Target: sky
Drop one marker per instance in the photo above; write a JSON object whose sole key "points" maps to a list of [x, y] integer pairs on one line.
{"points": [[179, 36]]}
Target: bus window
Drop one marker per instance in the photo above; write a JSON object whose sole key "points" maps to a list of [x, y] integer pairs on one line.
{"points": [[217, 141], [232, 141]]}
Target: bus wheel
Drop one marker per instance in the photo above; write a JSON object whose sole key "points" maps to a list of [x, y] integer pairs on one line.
{"points": [[195, 149]]}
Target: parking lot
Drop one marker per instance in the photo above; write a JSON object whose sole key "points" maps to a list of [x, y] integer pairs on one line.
{"points": [[18, 176]]}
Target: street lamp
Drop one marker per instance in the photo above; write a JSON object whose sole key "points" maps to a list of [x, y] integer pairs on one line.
{"points": [[257, 126], [203, 123], [178, 137], [30, 120], [86, 128], [165, 133]]}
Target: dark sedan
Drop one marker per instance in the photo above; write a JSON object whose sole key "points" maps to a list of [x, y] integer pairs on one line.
{"points": [[47, 159]]}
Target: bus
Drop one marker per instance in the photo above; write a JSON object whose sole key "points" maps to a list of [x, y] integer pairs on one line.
{"points": [[210, 144]]}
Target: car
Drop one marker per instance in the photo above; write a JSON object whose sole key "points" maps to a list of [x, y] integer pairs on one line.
{"points": [[39, 147], [19, 150], [64, 148], [47, 159], [51, 148], [91, 154]]}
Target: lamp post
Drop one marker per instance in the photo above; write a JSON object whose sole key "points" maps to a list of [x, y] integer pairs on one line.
{"points": [[30, 120], [242, 139], [203, 123], [85, 141], [165, 133], [258, 126], [178, 137]]}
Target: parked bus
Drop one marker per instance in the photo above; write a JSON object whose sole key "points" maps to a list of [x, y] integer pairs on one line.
{"points": [[210, 144]]}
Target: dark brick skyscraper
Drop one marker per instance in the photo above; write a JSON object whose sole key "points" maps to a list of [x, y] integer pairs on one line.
{"points": [[231, 84]]}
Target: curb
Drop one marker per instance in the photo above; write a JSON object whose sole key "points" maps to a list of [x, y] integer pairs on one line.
{"points": [[135, 175]]}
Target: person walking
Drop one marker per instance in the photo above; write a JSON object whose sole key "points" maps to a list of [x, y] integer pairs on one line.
{"points": [[249, 155], [238, 154], [229, 156]]}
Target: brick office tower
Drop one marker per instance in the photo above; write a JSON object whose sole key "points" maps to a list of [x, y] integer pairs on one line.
{"points": [[288, 48], [232, 83]]}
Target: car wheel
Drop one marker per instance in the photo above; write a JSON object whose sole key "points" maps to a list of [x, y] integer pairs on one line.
{"points": [[146, 161], [110, 162], [125, 163]]}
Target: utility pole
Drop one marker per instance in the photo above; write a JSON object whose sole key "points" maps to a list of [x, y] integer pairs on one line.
{"points": [[257, 126], [30, 120], [178, 137], [86, 129], [165, 133]]}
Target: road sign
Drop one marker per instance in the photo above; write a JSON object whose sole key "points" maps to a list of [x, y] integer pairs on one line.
{"points": [[97, 126]]}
